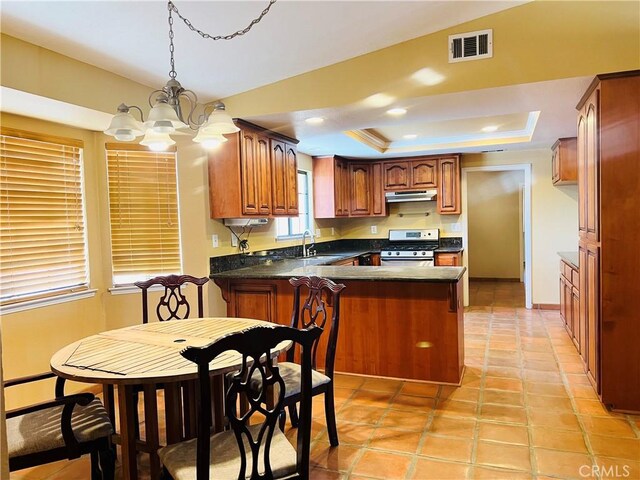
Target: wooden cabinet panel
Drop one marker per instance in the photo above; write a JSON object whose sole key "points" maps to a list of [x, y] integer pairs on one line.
{"points": [[593, 315], [582, 173], [278, 178], [564, 163], [592, 167], [330, 187], [360, 180], [350, 262], [396, 176], [575, 317], [252, 301], [263, 180], [378, 204], [249, 171], [449, 201], [424, 174], [343, 189], [448, 259], [291, 166]]}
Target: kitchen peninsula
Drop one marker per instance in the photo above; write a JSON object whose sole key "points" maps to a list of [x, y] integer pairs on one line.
{"points": [[401, 322]]}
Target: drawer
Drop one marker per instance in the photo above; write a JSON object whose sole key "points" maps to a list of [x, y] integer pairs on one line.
{"points": [[566, 270], [575, 278]]}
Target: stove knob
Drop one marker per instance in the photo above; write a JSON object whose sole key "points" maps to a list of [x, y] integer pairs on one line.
{"points": [[415, 253], [388, 253], [424, 253], [397, 253]]}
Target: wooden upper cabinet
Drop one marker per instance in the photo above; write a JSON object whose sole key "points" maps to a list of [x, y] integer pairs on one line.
{"points": [[424, 173], [360, 183], [378, 204], [396, 176], [582, 175], [564, 162], [284, 179], [253, 174], [330, 187], [448, 198], [592, 167]]}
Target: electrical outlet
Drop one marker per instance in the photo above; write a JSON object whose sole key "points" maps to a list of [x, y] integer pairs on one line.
{"points": [[234, 240], [456, 227], [374, 229], [214, 241], [318, 233], [333, 231]]}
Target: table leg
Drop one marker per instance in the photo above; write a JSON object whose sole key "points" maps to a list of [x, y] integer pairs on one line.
{"points": [[151, 427], [109, 403], [173, 412], [126, 405]]}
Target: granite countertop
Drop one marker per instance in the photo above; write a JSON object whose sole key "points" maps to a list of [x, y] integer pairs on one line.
{"points": [[320, 266], [571, 258], [449, 250]]}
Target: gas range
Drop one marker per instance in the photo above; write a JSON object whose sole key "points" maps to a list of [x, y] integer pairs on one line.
{"points": [[411, 246]]}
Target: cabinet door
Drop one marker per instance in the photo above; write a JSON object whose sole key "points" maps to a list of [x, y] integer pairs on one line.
{"points": [[568, 311], [448, 259], [449, 186], [279, 177], [555, 167], [252, 301], [291, 162], [396, 176], [249, 170], [582, 173], [263, 160], [341, 189], [563, 305], [575, 315], [424, 174], [592, 167], [378, 205], [360, 180], [588, 308]]}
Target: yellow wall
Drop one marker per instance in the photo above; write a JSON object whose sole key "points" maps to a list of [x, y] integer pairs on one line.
{"points": [[537, 41], [493, 209], [554, 217]]}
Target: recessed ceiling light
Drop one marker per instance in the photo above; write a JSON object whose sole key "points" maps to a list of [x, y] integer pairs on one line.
{"points": [[314, 120], [410, 136], [490, 128], [397, 111]]}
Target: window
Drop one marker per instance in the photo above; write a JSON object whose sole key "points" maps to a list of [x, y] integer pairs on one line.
{"points": [[292, 227], [43, 245], [143, 209]]}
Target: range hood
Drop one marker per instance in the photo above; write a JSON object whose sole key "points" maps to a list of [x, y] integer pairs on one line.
{"points": [[245, 222], [415, 196]]}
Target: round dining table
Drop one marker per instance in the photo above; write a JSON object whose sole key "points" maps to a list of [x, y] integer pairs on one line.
{"points": [[146, 355]]}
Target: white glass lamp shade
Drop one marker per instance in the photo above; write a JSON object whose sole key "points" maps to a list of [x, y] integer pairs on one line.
{"points": [[209, 140], [163, 119], [124, 127], [157, 142], [220, 122]]}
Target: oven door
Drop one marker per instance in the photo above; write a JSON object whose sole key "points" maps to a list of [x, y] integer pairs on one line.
{"points": [[407, 262]]}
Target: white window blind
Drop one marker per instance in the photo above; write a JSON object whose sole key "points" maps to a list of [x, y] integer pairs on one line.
{"points": [[143, 208], [43, 249]]}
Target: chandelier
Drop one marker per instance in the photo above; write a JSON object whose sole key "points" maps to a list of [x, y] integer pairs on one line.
{"points": [[166, 116]]}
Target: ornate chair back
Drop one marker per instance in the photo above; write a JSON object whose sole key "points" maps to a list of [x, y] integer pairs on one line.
{"points": [[173, 305]]}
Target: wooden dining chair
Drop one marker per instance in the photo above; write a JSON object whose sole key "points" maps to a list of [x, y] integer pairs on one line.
{"points": [[255, 447], [64, 428]]}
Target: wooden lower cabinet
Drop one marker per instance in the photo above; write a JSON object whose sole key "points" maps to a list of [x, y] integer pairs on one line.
{"points": [[448, 259], [570, 305], [410, 330], [349, 262]]}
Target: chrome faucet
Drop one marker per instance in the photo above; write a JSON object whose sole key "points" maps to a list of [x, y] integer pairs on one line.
{"points": [[305, 252]]}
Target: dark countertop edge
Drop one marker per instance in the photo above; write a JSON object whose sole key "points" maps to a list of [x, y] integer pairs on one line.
{"points": [[571, 258], [449, 250]]}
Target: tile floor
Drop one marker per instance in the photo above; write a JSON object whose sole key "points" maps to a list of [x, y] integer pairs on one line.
{"points": [[524, 410]]}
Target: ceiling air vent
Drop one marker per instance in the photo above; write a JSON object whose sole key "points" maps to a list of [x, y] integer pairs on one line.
{"points": [[470, 46]]}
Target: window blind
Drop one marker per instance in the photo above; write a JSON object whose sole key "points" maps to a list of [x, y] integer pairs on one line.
{"points": [[143, 208], [42, 226]]}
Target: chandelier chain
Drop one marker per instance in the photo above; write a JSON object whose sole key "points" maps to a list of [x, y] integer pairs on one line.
{"points": [[172, 72], [231, 36]]}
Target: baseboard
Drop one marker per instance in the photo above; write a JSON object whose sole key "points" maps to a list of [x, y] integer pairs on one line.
{"points": [[488, 279], [546, 306]]}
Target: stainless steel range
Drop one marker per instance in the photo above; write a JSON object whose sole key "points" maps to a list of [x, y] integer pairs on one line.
{"points": [[411, 248]]}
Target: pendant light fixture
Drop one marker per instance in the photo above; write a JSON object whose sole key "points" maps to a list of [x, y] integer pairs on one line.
{"points": [[210, 120]]}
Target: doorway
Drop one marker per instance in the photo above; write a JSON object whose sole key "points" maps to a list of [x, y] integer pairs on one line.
{"points": [[496, 221]]}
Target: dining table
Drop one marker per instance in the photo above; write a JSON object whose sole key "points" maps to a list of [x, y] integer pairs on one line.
{"points": [[145, 356]]}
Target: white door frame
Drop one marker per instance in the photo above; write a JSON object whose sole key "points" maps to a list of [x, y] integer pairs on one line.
{"points": [[464, 220]]}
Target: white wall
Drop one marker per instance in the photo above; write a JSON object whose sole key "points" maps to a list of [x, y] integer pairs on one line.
{"points": [[554, 217], [493, 210]]}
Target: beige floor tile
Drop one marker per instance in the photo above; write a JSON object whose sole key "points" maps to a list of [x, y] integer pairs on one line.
{"points": [[554, 439], [562, 464], [360, 414], [538, 388], [339, 458], [396, 440], [586, 406], [625, 448], [321, 474], [503, 455], [616, 427], [456, 408], [371, 398], [382, 465], [498, 383], [583, 391], [460, 393], [452, 427], [541, 377], [503, 397], [427, 469], [513, 434], [381, 385], [420, 389], [503, 413], [615, 468], [447, 448], [487, 473], [412, 403], [343, 380], [351, 434], [504, 372], [552, 404], [542, 417]]}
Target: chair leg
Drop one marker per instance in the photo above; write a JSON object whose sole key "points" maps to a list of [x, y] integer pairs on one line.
{"points": [[95, 466], [282, 419], [107, 463], [293, 415], [330, 414]]}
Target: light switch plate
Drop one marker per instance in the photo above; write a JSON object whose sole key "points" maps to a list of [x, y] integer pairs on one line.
{"points": [[214, 241], [374, 229], [318, 233]]}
